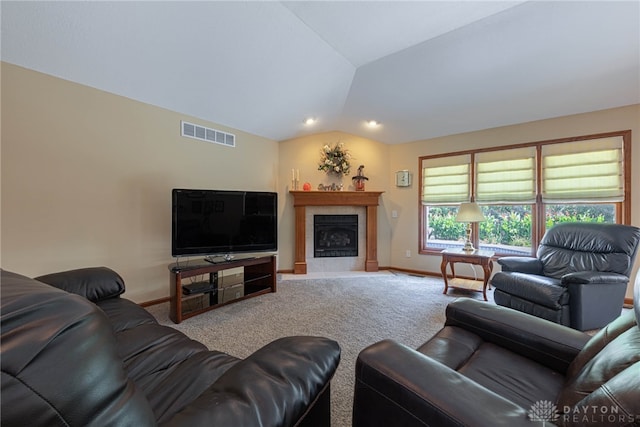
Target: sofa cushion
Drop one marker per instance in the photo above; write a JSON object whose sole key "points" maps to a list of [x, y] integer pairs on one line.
{"points": [[125, 314], [451, 346], [274, 386], [59, 361], [514, 377], [170, 368], [542, 290], [560, 316]]}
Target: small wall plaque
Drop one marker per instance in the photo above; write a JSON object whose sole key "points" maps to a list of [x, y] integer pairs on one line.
{"points": [[403, 178]]}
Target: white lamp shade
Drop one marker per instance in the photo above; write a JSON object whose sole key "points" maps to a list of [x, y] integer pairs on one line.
{"points": [[469, 212]]}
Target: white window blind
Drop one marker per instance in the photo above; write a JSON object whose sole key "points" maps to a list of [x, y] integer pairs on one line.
{"points": [[583, 171], [446, 180], [506, 176]]}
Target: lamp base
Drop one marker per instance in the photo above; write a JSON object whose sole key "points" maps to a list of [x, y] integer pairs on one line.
{"points": [[468, 246]]}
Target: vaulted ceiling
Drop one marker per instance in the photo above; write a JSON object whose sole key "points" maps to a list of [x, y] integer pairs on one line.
{"points": [[421, 68]]}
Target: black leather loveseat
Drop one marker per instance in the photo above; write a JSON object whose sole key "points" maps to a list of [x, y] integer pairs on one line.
{"points": [[77, 354], [494, 366]]}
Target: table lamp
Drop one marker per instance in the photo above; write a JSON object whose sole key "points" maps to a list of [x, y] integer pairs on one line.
{"points": [[469, 213]]}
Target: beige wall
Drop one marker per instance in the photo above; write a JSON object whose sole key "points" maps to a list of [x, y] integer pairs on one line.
{"points": [[87, 177], [304, 154], [405, 156]]}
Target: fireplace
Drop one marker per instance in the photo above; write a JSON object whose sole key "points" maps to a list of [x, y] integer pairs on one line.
{"points": [[336, 199], [335, 236]]}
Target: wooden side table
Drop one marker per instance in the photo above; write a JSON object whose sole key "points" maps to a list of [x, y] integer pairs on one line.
{"points": [[477, 257]]}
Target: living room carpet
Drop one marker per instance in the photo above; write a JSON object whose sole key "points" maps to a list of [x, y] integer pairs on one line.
{"points": [[355, 311]]}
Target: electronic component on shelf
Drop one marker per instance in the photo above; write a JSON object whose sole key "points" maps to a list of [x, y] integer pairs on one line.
{"points": [[199, 288]]}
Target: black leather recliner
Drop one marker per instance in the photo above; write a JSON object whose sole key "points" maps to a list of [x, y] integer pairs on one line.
{"points": [[579, 278], [77, 354], [493, 366]]}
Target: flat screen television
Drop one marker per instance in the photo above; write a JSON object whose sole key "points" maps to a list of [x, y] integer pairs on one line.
{"points": [[222, 222]]}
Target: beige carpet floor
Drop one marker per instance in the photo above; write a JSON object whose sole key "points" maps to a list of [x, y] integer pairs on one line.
{"points": [[356, 311]]}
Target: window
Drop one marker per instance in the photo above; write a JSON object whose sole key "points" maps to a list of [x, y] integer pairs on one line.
{"points": [[506, 176], [507, 229], [445, 184], [525, 189], [441, 228], [446, 180], [583, 171]]}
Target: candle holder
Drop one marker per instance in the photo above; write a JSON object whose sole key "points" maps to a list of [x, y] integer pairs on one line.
{"points": [[295, 178]]}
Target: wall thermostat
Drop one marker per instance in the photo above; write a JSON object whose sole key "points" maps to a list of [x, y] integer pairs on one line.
{"points": [[403, 178]]}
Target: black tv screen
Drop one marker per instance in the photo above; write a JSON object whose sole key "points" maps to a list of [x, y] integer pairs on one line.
{"points": [[218, 222]]}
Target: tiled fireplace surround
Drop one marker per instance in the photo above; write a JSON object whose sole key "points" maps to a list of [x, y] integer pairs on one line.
{"points": [[310, 203], [348, 263]]}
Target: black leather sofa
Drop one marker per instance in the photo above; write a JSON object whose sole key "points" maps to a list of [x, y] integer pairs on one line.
{"points": [[74, 353], [494, 366], [578, 279]]}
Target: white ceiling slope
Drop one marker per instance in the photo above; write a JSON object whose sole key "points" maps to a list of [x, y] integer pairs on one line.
{"points": [[422, 68]]}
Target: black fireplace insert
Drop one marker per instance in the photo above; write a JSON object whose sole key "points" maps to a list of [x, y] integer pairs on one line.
{"points": [[335, 236]]}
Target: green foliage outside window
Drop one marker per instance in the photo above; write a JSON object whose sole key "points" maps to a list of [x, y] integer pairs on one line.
{"points": [[511, 225], [506, 225], [579, 213], [442, 224]]}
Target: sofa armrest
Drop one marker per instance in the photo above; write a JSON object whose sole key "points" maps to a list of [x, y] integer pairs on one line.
{"points": [[596, 298], [275, 386], [521, 264], [590, 277], [548, 343], [396, 385], [93, 283]]}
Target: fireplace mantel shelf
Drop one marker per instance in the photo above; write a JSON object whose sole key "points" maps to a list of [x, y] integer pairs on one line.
{"points": [[336, 198], [369, 199]]}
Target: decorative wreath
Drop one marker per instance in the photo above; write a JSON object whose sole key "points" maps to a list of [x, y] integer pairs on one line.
{"points": [[335, 160]]}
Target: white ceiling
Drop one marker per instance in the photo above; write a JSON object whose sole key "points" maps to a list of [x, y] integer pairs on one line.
{"points": [[422, 68]]}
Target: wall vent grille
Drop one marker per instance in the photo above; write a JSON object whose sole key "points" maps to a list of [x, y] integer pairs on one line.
{"points": [[191, 130]]}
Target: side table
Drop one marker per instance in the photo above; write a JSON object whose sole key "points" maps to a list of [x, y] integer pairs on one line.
{"points": [[477, 257]]}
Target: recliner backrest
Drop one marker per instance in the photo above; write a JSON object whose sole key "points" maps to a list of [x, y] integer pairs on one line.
{"points": [[571, 247]]}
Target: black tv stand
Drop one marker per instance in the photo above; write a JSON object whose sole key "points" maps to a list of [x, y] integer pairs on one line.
{"points": [[215, 286]]}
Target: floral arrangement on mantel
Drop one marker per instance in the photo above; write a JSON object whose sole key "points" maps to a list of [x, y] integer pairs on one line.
{"points": [[335, 160]]}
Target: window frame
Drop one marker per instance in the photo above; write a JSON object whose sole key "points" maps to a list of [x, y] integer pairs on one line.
{"points": [[622, 209]]}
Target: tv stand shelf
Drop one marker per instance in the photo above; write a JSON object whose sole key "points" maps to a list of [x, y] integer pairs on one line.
{"points": [[258, 277]]}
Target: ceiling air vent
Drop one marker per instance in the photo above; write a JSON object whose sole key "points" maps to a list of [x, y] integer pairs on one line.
{"points": [[202, 133]]}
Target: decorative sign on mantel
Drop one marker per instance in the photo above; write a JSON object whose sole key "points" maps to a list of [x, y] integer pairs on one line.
{"points": [[368, 199]]}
